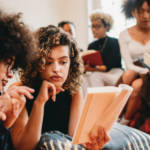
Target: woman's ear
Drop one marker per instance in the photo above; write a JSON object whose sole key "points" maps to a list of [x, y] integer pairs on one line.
{"points": [[107, 28]]}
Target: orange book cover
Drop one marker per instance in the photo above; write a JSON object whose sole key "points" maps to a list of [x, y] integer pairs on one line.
{"points": [[101, 108], [94, 57]]}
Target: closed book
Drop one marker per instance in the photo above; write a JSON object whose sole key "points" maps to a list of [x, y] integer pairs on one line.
{"points": [[101, 108], [94, 57]]}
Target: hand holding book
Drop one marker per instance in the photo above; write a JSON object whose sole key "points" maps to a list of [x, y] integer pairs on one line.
{"points": [[97, 143], [101, 108]]}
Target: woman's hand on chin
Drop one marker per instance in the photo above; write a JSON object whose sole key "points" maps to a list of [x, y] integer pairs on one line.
{"points": [[97, 143], [48, 89]]}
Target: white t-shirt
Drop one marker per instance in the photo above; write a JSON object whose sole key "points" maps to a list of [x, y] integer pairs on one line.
{"points": [[130, 49]]}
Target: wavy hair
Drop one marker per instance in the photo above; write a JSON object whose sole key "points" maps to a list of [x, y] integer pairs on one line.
{"points": [[130, 5], [49, 37], [106, 19]]}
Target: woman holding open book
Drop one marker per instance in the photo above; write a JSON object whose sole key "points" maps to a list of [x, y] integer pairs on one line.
{"points": [[110, 71], [135, 41], [56, 76]]}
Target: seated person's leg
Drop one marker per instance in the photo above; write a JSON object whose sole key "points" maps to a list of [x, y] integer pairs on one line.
{"points": [[96, 80], [122, 138], [129, 76], [134, 102], [111, 77]]}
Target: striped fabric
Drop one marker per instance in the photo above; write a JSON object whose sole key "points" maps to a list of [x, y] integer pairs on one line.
{"points": [[127, 138], [122, 138]]}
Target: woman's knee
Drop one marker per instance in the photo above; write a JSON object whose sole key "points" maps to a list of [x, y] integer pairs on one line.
{"points": [[128, 77], [137, 85]]}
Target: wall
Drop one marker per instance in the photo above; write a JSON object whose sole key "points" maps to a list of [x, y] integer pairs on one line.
{"points": [[37, 13]]}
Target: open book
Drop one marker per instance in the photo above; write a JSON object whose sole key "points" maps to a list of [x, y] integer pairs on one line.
{"points": [[94, 57], [101, 108], [146, 62]]}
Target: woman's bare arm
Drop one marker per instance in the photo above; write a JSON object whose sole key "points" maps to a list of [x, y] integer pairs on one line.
{"points": [[26, 132], [75, 110]]}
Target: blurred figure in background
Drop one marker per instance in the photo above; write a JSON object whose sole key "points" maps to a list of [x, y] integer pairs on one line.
{"points": [[69, 27], [110, 71], [135, 41]]}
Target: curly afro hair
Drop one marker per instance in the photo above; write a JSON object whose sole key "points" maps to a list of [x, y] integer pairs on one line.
{"points": [[16, 40], [130, 5], [106, 19], [49, 37]]}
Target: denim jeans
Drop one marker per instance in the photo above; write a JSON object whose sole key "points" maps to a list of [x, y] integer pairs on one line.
{"points": [[56, 140], [122, 138]]}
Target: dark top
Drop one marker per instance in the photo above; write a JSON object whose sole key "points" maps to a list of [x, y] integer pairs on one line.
{"points": [[4, 133], [56, 114], [111, 53]]}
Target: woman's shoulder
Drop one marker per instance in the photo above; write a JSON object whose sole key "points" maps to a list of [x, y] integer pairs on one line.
{"points": [[124, 35], [124, 32], [18, 83]]}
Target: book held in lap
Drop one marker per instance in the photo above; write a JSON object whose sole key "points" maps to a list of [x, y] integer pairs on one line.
{"points": [[101, 108], [94, 57]]}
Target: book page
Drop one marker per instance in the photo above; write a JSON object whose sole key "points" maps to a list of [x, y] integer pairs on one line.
{"points": [[100, 109], [147, 59], [109, 116], [87, 52], [99, 102]]}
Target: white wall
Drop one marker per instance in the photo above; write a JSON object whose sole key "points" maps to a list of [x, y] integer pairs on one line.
{"points": [[38, 13]]}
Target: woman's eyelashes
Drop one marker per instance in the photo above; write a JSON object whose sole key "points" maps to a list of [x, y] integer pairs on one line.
{"points": [[61, 62], [48, 63]]}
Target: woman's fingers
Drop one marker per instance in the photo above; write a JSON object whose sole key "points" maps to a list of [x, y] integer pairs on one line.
{"points": [[59, 89], [2, 116], [23, 91], [101, 137], [94, 142], [15, 106], [106, 136], [52, 91], [15, 91]]}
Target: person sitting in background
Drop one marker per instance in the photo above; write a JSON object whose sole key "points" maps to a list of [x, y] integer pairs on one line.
{"points": [[111, 70], [134, 42], [68, 27], [17, 49]]}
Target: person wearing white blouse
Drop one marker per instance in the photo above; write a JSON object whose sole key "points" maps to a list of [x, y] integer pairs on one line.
{"points": [[135, 41]]}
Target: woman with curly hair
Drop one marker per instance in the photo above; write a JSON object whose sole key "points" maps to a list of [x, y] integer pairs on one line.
{"points": [[17, 49], [135, 41], [56, 76], [110, 71]]}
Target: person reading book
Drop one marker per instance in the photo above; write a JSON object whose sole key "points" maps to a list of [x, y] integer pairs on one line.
{"points": [[17, 49], [110, 71], [56, 76], [135, 41]]}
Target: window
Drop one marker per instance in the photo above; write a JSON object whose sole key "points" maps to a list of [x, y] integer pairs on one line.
{"points": [[113, 7]]}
